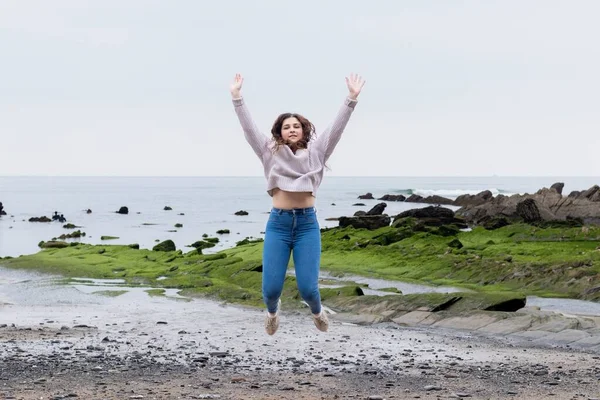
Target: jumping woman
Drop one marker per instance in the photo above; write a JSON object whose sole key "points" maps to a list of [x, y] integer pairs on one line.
{"points": [[294, 160]]}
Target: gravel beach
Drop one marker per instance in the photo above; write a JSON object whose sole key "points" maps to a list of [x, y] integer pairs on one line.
{"points": [[134, 346]]}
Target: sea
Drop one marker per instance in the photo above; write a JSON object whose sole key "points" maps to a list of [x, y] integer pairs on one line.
{"points": [[204, 205]]}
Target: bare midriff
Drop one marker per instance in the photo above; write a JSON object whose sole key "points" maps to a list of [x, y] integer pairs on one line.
{"points": [[288, 200]]}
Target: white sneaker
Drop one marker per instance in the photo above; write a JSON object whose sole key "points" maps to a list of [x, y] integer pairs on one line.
{"points": [[321, 321], [272, 322]]}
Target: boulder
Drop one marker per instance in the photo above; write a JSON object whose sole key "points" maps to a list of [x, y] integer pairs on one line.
{"points": [[392, 197], [529, 211], [370, 222], [2, 212], [367, 196], [558, 186], [167, 245], [435, 199], [377, 210], [433, 216], [473, 199], [123, 210], [414, 198]]}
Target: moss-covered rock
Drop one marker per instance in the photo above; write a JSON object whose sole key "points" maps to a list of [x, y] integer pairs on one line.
{"points": [[72, 235], [248, 241], [167, 245], [202, 244], [53, 244], [516, 258]]}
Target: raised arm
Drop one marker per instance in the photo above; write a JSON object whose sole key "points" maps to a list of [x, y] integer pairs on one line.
{"points": [[257, 140], [329, 138]]}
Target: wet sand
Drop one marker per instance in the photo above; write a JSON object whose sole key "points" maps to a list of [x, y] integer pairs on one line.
{"points": [[140, 347]]}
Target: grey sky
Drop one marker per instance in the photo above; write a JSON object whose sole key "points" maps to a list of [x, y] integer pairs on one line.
{"points": [[140, 87]]}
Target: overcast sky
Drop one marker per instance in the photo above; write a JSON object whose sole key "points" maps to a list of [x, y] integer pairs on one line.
{"points": [[454, 88]]}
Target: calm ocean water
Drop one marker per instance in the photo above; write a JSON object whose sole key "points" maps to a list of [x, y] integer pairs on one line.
{"points": [[208, 204]]}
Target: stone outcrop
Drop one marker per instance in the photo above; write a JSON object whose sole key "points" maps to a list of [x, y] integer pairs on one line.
{"points": [[432, 216], [372, 219], [367, 196], [473, 199], [392, 197], [2, 212], [370, 222], [547, 204]]}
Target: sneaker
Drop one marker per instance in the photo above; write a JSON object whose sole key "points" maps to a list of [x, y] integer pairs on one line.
{"points": [[272, 322], [321, 321]]}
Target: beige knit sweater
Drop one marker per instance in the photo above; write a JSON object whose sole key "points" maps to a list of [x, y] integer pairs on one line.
{"points": [[294, 172]]}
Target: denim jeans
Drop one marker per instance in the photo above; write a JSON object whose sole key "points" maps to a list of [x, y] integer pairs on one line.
{"points": [[292, 231]]}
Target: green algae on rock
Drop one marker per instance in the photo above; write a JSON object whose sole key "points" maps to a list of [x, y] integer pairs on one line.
{"points": [[518, 258]]}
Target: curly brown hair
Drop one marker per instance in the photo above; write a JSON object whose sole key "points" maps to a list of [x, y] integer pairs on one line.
{"points": [[308, 130]]}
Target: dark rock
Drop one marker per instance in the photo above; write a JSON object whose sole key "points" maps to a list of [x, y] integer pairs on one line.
{"points": [[390, 237], [88, 211], [134, 246], [446, 230], [368, 196], [414, 198], [241, 212], [202, 244], [435, 199], [167, 245], [377, 210], [359, 204], [123, 210], [370, 222], [455, 243], [2, 212], [428, 212], [574, 194], [528, 210], [359, 213], [393, 197], [432, 216], [496, 222], [558, 186]]}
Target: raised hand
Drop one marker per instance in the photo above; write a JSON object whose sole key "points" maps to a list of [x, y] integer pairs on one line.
{"points": [[236, 86], [355, 84]]}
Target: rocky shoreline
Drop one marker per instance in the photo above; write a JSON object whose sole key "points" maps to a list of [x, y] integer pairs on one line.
{"points": [[205, 350], [484, 342]]}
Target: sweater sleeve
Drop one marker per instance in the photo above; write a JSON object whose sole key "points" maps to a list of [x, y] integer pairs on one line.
{"points": [[329, 138], [255, 138]]}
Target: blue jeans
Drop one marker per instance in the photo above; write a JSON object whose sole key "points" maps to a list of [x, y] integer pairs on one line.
{"points": [[288, 231]]}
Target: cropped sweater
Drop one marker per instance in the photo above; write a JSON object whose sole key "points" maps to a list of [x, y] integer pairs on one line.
{"points": [[294, 172]]}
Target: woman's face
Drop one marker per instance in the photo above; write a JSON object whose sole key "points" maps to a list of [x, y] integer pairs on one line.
{"points": [[291, 130]]}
